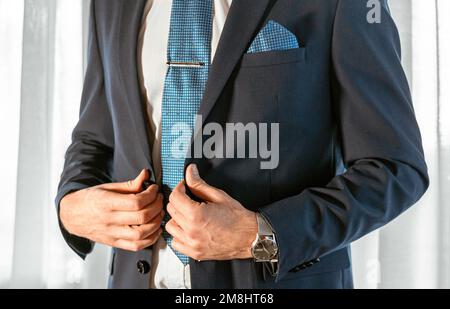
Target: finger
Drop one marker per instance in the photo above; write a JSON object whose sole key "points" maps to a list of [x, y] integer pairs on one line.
{"points": [[150, 194], [135, 246], [135, 233], [133, 202], [181, 201], [104, 239], [200, 188], [185, 249], [179, 218], [131, 186], [176, 231], [140, 217]]}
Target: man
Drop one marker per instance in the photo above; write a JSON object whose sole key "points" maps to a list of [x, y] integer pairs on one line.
{"points": [[326, 81]]}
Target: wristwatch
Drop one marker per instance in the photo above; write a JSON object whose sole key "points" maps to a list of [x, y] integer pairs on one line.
{"points": [[264, 248]]}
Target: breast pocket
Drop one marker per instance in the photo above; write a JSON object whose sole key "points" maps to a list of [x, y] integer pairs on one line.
{"points": [[263, 81], [272, 58]]}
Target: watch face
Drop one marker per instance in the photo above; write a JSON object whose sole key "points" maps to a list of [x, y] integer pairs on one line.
{"points": [[265, 249]]}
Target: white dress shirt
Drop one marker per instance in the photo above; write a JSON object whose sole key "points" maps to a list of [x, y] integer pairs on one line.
{"points": [[167, 270]]}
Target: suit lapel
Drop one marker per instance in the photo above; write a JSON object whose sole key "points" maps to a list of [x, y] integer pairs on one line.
{"points": [[244, 20]]}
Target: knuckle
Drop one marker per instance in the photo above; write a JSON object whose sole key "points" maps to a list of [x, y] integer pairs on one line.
{"points": [[170, 208], [146, 199], [135, 247], [197, 255], [172, 197], [169, 227], [107, 224], [138, 235], [197, 182], [149, 214], [108, 221], [154, 188], [188, 233], [157, 221], [196, 217], [141, 218], [121, 245], [196, 245], [192, 216], [221, 191], [155, 237], [175, 245], [137, 202], [191, 232], [154, 192]]}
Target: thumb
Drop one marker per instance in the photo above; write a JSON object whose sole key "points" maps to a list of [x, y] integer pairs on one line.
{"points": [[132, 186], [200, 188]]}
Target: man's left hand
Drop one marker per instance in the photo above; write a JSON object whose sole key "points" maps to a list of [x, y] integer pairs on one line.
{"points": [[219, 228]]}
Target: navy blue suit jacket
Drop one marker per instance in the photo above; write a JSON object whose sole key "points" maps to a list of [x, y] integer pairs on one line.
{"points": [[351, 158]]}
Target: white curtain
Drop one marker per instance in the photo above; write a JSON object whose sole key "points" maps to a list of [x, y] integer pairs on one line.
{"points": [[413, 251], [42, 44], [42, 56]]}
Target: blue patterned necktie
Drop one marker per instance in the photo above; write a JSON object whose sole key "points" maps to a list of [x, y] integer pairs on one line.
{"points": [[189, 59]]}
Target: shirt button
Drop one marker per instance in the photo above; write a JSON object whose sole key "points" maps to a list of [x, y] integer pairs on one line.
{"points": [[143, 267]]}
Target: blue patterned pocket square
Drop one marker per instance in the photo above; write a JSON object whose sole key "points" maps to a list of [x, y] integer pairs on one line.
{"points": [[273, 37]]}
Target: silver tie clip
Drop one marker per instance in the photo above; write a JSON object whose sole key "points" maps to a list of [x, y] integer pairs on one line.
{"points": [[185, 64]]}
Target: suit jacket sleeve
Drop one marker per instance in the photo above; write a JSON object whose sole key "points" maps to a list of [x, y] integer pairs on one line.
{"points": [[380, 140], [89, 157]]}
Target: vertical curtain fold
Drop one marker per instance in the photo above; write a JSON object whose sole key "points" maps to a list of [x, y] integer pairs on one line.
{"points": [[11, 29], [443, 89], [34, 142]]}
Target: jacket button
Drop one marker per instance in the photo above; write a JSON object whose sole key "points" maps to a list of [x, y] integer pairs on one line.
{"points": [[143, 267]]}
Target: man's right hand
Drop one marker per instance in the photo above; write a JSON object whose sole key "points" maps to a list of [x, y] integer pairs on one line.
{"points": [[120, 215]]}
